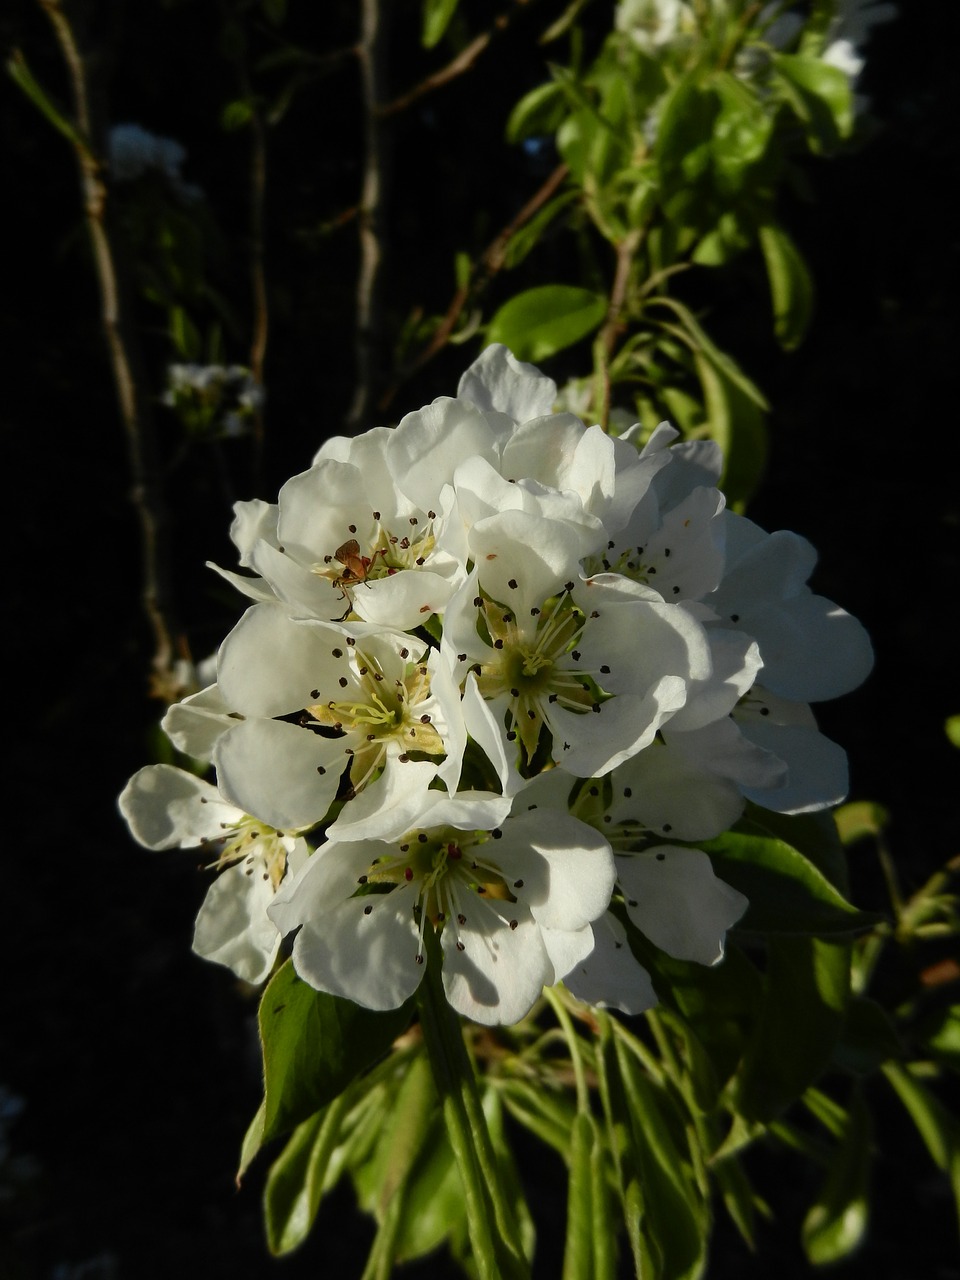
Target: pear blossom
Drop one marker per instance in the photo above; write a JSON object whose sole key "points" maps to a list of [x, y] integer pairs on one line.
{"points": [[440, 613], [511, 899], [600, 664], [167, 808], [316, 702]]}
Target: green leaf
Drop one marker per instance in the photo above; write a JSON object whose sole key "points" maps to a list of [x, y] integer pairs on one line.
{"points": [[859, 819], [940, 1034], [807, 985], [433, 1198], [673, 1222], [578, 1250], [295, 1184], [791, 286], [436, 19], [542, 321], [24, 79], [185, 335], [236, 115], [815, 835], [787, 893], [314, 1045], [837, 1220], [538, 112], [952, 729], [526, 237], [820, 96], [939, 1129], [869, 1037], [738, 426]]}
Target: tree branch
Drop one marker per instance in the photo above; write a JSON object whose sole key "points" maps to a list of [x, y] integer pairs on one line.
{"points": [[126, 364]]}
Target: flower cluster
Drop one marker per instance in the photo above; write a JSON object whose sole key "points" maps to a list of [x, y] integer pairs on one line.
{"points": [[659, 27], [213, 399], [500, 673]]}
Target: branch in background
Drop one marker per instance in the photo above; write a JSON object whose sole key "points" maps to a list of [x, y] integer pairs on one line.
{"points": [[614, 324], [260, 327], [464, 61], [488, 264], [372, 53], [126, 362]]}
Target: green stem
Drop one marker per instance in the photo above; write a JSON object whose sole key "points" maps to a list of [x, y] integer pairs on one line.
{"points": [[498, 1255], [573, 1043]]}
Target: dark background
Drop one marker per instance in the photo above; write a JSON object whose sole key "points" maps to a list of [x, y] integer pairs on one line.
{"points": [[136, 1063]]}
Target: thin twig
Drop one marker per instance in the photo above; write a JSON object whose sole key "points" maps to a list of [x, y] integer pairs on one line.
{"points": [[463, 62], [486, 267], [614, 323], [134, 404], [371, 52], [258, 274]]}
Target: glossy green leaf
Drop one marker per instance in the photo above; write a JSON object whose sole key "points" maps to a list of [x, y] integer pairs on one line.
{"points": [[787, 893], [815, 835], [314, 1045], [436, 18], [807, 986], [837, 1220], [791, 286], [819, 95], [542, 321]]}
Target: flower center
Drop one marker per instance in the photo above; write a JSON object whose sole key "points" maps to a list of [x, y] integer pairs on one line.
{"points": [[257, 845], [445, 869], [533, 670], [384, 711]]}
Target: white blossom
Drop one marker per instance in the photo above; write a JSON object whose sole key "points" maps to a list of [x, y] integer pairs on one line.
{"points": [[512, 900], [168, 808]]}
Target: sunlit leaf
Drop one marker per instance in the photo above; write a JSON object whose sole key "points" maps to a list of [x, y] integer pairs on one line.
{"points": [[791, 286], [314, 1045], [787, 893], [837, 1220], [436, 19], [542, 321]]}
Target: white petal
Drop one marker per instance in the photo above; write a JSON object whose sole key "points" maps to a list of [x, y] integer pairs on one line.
{"points": [[167, 808], [817, 775], [661, 789], [566, 867], [500, 973], [500, 383], [233, 927], [394, 804], [194, 724], [365, 950], [252, 521], [673, 897], [611, 975], [428, 445], [282, 774], [269, 665]]}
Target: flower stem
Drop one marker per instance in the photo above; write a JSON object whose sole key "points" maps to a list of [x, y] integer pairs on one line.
{"points": [[497, 1252]]}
